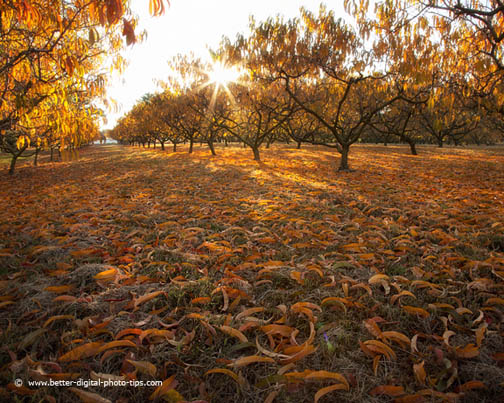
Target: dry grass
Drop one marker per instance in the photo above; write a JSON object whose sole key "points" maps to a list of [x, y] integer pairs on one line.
{"points": [[195, 240]]}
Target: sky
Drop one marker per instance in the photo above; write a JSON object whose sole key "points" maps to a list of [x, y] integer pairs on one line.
{"points": [[189, 26]]}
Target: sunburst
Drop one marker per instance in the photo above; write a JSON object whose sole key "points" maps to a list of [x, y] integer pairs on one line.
{"points": [[220, 75]]}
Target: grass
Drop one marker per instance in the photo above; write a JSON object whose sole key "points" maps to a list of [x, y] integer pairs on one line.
{"points": [[191, 243]]}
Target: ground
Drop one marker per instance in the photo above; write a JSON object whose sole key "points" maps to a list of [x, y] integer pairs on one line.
{"points": [[232, 280]]}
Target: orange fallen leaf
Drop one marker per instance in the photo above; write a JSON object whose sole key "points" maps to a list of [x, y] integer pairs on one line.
{"points": [[328, 389], [419, 371], [144, 367], [468, 351], [389, 390], [57, 317], [201, 300], [471, 385], [234, 333], [166, 386], [251, 359], [381, 348], [106, 275], [116, 343], [228, 372], [84, 351], [59, 289], [413, 310], [89, 397]]}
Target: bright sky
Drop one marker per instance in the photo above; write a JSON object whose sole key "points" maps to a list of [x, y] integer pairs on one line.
{"points": [[190, 26]]}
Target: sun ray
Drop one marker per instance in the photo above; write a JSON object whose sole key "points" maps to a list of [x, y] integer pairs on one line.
{"points": [[220, 76]]}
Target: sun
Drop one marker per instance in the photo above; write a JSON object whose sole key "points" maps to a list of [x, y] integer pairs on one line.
{"points": [[222, 75]]}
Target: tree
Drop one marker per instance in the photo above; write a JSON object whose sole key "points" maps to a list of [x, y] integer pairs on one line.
{"points": [[446, 116], [52, 51], [258, 110], [302, 127], [325, 69]]}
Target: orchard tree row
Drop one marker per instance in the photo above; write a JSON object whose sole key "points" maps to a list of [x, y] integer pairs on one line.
{"points": [[56, 56], [409, 75]]}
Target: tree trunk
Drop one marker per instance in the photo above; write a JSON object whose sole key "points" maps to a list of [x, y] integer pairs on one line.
{"points": [[440, 143], [344, 158], [35, 160], [12, 166], [191, 142], [52, 154], [298, 145], [257, 157], [174, 147], [211, 146], [225, 142], [412, 148], [162, 145]]}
